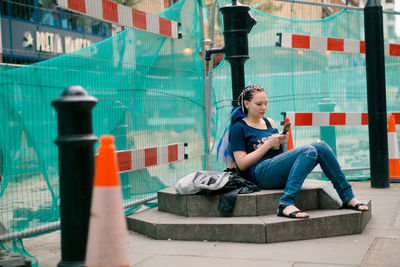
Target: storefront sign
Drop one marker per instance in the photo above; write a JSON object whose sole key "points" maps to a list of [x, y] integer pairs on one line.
{"points": [[30, 40]]}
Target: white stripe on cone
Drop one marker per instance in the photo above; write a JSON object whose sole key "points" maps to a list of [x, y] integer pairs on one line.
{"points": [[107, 239], [393, 146]]}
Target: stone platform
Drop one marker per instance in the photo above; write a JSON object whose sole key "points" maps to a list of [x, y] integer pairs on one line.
{"points": [[253, 220]]}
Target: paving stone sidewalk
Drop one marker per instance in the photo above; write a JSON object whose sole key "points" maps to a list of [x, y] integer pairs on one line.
{"points": [[379, 245]]}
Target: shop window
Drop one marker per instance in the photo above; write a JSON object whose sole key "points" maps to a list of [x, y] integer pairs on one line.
{"points": [[71, 21], [48, 15], [22, 9], [49, 18], [19, 61], [4, 8], [64, 20]]}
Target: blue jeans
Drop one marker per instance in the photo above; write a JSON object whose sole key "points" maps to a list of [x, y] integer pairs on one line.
{"points": [[289, 170]]}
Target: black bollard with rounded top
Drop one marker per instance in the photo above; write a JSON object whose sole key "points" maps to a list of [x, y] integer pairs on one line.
{"points": [[75, 143], [376, 94]]}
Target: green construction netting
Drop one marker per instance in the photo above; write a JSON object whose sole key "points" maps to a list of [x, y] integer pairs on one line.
{"points": [[150, 93], [311, 81]]}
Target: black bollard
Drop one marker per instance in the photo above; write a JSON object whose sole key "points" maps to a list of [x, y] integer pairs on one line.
{"points": [[376, 94], [238, 23], [75, 143]]}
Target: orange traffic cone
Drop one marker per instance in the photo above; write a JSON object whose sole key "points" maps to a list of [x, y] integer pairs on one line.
{"points": [[107, 243], [394, 161], [289, 143]]}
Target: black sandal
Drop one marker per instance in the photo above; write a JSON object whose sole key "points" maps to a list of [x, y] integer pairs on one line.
{"points": [[291, 215], [355, 207]]}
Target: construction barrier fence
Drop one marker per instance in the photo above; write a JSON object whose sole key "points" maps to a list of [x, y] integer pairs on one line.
{"points": [[149, 89], [310, 76], [151, 93]]}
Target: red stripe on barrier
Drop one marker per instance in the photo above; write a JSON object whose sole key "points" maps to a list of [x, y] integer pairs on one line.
{"points": [[165, 27], [78, 5], [337, 119], [362, 47], [300, 41], [364, 118], [172, 153], [150, 156], [396, 117], [303, 119], [335, 44], [124, 160], [139, 19], [110, 11], [394, 50]]}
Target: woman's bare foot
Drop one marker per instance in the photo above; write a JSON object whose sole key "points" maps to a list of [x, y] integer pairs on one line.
{"points": [[292, 211], [355, 205]]}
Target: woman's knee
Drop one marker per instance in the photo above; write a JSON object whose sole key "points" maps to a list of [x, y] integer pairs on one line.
{"points": [[321, 146], [310, 151]]}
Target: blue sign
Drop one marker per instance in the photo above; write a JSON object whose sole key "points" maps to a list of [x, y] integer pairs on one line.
{"points": [[32, 41]]}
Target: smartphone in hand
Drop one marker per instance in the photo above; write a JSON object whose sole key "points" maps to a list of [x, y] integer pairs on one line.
{"points": [[286, 128]]}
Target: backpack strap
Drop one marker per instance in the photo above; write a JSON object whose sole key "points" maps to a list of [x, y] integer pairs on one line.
{"points": [[267, 123]]}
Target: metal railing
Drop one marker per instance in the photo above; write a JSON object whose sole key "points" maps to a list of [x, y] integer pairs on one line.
{"points": [[387, 11]]}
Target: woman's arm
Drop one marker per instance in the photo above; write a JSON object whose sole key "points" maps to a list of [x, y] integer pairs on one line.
{"points": [[245, 161]]}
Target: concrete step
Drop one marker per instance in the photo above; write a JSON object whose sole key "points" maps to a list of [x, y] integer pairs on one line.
{"points": [[314, 194], [254, 229]]}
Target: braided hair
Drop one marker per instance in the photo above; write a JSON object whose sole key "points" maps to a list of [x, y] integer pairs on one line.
{"points": [[246, 94]]}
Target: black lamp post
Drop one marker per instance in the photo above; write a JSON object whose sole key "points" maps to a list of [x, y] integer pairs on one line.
{"points": [[237, 22]]}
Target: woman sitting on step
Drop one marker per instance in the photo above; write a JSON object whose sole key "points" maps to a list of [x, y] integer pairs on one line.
{"points": [[254, 141]]}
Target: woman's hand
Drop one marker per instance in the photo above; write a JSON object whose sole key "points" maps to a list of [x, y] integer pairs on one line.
{"points": [[276, 139], [244, 160], [284, 138]]}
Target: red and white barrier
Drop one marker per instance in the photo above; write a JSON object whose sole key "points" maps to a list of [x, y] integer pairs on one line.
{"points": [[116, 13], [394, 159], [332, 118], [136, 159], [300, 41]]}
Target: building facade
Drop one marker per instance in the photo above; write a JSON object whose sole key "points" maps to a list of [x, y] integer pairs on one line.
{"points": [[36, 30]]}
